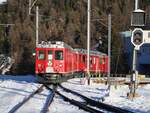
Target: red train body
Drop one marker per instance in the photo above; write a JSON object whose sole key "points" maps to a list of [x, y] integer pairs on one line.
{"points": [[60, 59]]}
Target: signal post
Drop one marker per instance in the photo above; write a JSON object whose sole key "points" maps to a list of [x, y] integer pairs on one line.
{"points": [[137, 39]]}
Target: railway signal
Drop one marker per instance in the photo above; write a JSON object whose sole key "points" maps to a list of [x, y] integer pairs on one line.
{"points": [[137, 38]]}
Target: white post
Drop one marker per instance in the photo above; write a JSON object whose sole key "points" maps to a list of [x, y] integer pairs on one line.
{"points": [[109, 48], [134, 59], [37, 25], [88, 40], [136, 4], [135, 72], [29, 7]]}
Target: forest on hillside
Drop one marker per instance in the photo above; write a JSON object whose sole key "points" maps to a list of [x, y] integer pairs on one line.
{"points": [[63, 20]]}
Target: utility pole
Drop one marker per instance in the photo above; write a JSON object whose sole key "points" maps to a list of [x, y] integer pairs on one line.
{"points": [[136, 4], [109, 47], [88, 40], [37, 25], [31, 5]]}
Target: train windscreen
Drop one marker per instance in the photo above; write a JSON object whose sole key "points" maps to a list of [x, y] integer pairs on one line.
{"points": [[50, 56], [41, 55], [58, 55]]}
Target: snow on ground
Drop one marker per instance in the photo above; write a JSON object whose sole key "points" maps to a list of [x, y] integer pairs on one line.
{"points": [[94, 91], [60, 106], [2, 1], [13, 89], [118, 96], [35, 104]]}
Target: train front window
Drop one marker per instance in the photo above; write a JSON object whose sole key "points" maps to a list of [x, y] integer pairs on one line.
{"points": [[50, 56], [58, 55], [41, 55]]}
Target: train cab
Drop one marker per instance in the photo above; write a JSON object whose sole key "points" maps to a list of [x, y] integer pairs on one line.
{"points": [[49, 59], [54, 58]]}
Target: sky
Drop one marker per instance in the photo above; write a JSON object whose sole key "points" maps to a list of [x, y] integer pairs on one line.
{"points": [[1, 1]]}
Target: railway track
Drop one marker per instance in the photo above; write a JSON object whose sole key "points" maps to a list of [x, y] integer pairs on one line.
{"points": [[100, 105], [74, 102], [88, 105], [79, 104], [49, 98], [16, 107]]}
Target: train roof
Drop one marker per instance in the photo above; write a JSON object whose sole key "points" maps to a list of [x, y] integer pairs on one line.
{"points": [[53, 44], [60, 44], [84, 51]]}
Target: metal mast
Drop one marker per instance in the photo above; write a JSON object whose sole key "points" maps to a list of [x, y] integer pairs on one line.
{"points": [[37, 25], [31, 5], [135, 51], [109, 46], [135, 72], [88, 40], [136, 4]]}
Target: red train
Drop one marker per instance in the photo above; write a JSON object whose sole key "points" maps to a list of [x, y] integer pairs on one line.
{"points": [[55, 60]]}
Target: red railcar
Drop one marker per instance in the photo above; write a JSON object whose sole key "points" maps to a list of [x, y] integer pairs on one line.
{"points": [[57, 59]]}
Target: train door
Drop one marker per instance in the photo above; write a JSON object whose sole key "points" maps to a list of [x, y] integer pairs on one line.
{"points": [[59, 61], [101, 64], [50, 61]]}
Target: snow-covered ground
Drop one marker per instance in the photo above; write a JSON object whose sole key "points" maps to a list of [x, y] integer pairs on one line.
{"points": [[1, 1], [117, 97], [13, 89], [141, 104]]}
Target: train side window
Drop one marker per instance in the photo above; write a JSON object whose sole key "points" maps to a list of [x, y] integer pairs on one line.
{"points": [[148, 34], [41, 55], [84, 59], [50, 55], [91, 61], [94, 60], [104, 61], [100, 60], [58, 55], [80, 58]]}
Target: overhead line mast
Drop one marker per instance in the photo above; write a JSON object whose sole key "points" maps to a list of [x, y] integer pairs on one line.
{"points": [[31, 5], [88, 40], [136, 4]]}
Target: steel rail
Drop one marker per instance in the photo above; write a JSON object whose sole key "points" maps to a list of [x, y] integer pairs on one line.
{"points": [[16, 107], [74, 102], [98, 104], [49, 98], [79, 104]]}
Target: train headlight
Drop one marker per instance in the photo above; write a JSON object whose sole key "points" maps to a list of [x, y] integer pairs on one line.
{"points": [[39, 65], [60, 65], [49, 63]]}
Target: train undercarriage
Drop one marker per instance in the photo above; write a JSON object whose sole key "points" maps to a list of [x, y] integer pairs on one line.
{"points": [[54, 78]]}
